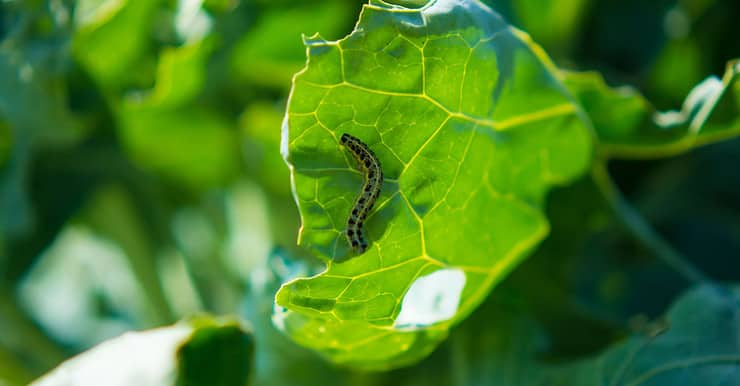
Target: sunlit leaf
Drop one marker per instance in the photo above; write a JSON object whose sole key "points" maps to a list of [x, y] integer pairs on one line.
{"points": [[194, 146], [472, 128], [551, 22], [164, 131], [272, 61], [180, 74], [119, 26], [262, 146]]}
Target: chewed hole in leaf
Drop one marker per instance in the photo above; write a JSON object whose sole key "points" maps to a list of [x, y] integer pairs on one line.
{"points": [[431, 299]]}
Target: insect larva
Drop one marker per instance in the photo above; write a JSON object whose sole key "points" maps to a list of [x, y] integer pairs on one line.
{"points": [[370, 165]]}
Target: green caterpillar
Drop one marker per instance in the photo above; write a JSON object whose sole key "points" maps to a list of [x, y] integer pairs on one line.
{"points": [[364, 203]]}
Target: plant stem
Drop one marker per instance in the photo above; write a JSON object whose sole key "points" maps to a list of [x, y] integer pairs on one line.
{"points": [[670, 149], [641, 229]]}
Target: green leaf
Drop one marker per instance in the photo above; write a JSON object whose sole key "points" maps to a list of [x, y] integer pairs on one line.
{"points": [[694, 345], [125, 25], [215, 355], [180, 74], [551, 22], [6, 143], [271, 52], [262, 146], [167, 131], [628, 126], [697, 345], [194, 145], [472, 128], [681, 64], [12, 370], [33, 115], [201, 352]]}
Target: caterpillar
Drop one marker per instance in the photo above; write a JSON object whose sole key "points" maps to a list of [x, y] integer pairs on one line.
{"points": [[364, 203]]}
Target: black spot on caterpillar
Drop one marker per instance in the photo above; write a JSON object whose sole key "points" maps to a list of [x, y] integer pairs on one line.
{"points": [[368, 194]]}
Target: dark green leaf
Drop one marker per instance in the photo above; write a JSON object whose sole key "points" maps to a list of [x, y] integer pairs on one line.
{"points": [[697, 344], [216, 355], [629, 127]]}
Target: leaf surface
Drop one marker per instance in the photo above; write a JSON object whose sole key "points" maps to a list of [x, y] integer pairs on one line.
{"points": [[201, 352], [33, 115], [696, 345], [472, 129], [628, 126]]}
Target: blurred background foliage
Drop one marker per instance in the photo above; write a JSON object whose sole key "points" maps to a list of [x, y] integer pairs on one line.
{"points": [[141, 180]]}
